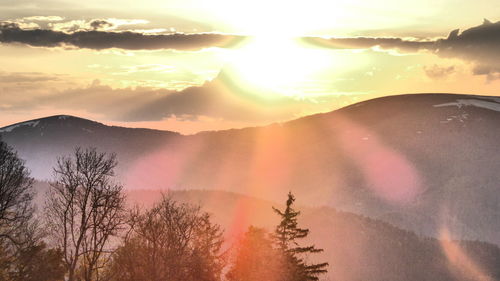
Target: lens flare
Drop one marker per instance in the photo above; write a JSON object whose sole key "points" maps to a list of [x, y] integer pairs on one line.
{"points": [[460, 263], [389, 174]]}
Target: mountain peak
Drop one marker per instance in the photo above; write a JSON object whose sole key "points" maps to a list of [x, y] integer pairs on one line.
{"points": [[48, 121]]}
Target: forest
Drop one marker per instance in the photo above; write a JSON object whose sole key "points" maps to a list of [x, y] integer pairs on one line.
{"points": [[86, 231]]}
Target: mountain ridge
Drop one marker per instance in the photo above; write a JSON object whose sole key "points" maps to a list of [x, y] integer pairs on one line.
{"points": [[65, 116], [423, 162]]}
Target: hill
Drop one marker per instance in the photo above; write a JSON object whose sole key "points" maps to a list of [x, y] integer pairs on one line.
{"points": [[425, 163]]}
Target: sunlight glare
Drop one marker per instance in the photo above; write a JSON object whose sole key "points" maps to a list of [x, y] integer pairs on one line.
{"points": [[274, 66]]}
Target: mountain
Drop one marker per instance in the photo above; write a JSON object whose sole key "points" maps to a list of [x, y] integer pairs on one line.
{"points": [[427, 163], [41, 141]]}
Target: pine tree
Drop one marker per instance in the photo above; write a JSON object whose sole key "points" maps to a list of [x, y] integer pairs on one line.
{"points": [[256, 258], [286, 234]]}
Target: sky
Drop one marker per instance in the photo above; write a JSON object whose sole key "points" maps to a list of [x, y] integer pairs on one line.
{"points": [[197, 65]]}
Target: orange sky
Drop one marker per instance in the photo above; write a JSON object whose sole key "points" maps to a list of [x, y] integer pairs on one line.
{"points": [[195, 65]]}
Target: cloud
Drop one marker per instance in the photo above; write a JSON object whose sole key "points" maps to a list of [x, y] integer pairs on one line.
{"points": [[70, 26], [26, 77], [100, 24], [99, 40], [367, 42], [479, 45], [491, 72], [216, 99], [439, 72], [43, 18], [21, 24], [212, 99], [157, 68], [94, 24]]}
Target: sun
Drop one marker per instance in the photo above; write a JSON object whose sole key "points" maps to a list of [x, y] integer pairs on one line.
{"points": [[274, 62], [272, 66]]}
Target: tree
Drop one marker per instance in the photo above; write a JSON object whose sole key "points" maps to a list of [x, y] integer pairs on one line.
{"points": [[171, 241], [16, 194], [286, 234], [256, 259], [84, 210], [37, 263], [22, 254]]}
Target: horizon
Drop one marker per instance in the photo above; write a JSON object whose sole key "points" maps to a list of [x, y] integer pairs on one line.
{"points": [[190, 66], [195, 132]]}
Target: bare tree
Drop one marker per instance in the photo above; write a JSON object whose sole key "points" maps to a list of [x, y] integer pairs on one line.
{"points": [[16, 194], [85, 209], [171, 241]]}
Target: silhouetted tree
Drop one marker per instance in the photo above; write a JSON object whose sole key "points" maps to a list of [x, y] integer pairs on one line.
{"points": [[256, 259], [286, 234], [16, 194], [84, 209], [171, 241], [16, 209], [23, 256]]}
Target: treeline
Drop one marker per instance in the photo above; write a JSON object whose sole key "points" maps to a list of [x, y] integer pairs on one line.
{"points": [[86, 232], [359, 247]]}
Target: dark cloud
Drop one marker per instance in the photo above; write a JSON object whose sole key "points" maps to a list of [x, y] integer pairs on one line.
{"points": [[480, 45], [491, 72], [98, 24], [367, 42], [98, 40], [438, 72]]}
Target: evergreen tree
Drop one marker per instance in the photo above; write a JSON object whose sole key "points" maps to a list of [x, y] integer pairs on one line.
{"points": [[37, 263], [256, 259], [286, 234]]}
